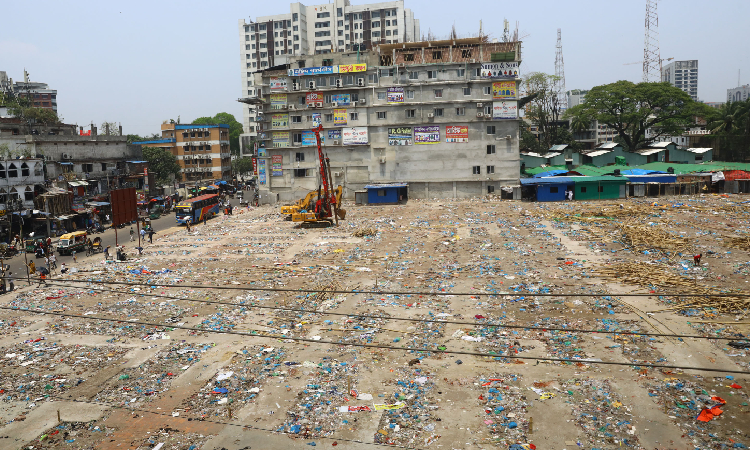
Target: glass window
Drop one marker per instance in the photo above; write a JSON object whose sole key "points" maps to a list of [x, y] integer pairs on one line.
{"points": [[490, 129], [467, 91], [410, 94], [461, 111], [411, 113], [490, 149], [438, 112], [413, 75], [476, 170], [353, 116], [438, 93], [381, 114], [381, 95]]}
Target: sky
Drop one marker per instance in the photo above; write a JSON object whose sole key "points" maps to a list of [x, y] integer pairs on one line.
{"points": [[142, 62]]}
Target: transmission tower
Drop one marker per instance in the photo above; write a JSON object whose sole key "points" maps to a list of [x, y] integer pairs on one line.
{"points": [[651, 53], [562, 98]]}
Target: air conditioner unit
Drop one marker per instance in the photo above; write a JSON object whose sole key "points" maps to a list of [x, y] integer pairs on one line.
{"points": [[318, 104], [480, 115], [335, 104], [430, 115], [339, 83], [362, 101], [295, 86], [292, 106], [479, 105], [335, 142], [488, 116], [382, 160], [336, 174], [311, 85], [360, 82], [64, 156]]}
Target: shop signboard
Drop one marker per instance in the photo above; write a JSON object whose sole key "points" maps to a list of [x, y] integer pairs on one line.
{"points": [[395, 95], [429, 134], [279, 121], [339, 117], [355, 136], [457, 133], [503, 89], [507, 109], [277, 83], [400, 136], [276, 170], [500, 69]]}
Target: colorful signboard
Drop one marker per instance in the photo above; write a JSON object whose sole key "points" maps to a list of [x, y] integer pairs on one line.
{"points": [[429, 134], [314, 97], [503, 89], [395, 95], [262, 171], [279, 121], [255, 166], [261, 152], [457, 133], [334, 134], [308, 139], [278, 101], [281, 139], [339, 117], [317, 120], [345, 68], [342, 99], [355, 136], [276, 170], [277, 83], [505, 109], [350, 68], [400, 136], [501, 69]]}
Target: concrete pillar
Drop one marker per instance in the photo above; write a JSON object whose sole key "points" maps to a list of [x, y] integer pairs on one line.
{"points": [[426, 190], [454, 189]]}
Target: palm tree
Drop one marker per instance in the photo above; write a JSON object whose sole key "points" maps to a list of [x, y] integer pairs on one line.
{"points": [[728, 118]]}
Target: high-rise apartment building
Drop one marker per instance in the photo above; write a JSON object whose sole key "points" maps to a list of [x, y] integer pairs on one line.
{"points": [[317, 29], [738, 94], [38, 94], [683, 75]]}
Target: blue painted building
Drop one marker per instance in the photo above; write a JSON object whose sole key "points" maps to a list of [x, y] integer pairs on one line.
{"points": [[548, 189], [392, 193]]}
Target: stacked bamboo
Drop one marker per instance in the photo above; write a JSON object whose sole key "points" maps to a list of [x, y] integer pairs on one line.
{"points": [[362, 232], [606, 212], [639, 237], [742, 243]]}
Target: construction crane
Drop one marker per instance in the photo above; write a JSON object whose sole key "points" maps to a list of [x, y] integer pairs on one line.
{"points": [[641, 62], [327, 206]]}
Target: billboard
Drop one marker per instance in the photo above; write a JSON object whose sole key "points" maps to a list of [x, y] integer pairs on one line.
{"points": [[501, 69], [505, 109], [276, 170], [399, 136], [503, 89], [255, 166], [350, 68], [313, 97], [429, 134], [355, 136], [339, 117], [279, 121], [308, 139], [342, 99], [345, 68], [262, 171], [124, 207], [278, 101], [277, 83], [395, 95], [317, 120], [457, 133], [281, 139], [334, 134]]}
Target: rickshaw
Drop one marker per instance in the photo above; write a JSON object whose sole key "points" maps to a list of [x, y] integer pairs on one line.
{"points": [[96, 245], [7, 250], [32, 244], [156, 211], [72, 242]]}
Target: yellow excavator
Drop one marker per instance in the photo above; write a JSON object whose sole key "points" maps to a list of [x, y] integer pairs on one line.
{"points": [[307, 203]]}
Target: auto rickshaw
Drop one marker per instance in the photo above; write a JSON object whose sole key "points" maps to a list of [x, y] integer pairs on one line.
{"points": [[156, 212], [96, 245], [72, 242], [32, 244]]}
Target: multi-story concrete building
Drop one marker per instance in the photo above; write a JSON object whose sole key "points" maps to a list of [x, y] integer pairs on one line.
{"points": [[441, 116], [317, 29], [39, 94], [576, 97], [683, 75], [738, 94], [201, 150]]}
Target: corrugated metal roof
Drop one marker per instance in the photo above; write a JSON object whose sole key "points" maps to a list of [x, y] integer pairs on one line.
{"points": [[598, 153], [388, 185], [699, 150], [664, 144], [546, 180], [608, 145], [648, 151], [558, 147], [601, 178]]}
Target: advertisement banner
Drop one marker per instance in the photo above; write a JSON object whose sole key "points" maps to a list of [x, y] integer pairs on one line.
{"points": [[277, 83], [278, 101], [317, 120], [339, 117], [262, 171], [279, 121], [311, 71], [350, 68], [281, 139], [313, 97], [429, 134], [457, 133], [262, 152], [145, 180], [276, 170], [503, 89], [395, 95], [342, 99], [501, 69], [334, 134], [255, 166], [308, 139], [355, 136], [505, 110], [399, 136]]}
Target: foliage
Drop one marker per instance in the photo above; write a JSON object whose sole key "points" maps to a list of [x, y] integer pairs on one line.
{"points": [[543, 110], [241, 166], [162, 163], [529, 142], [631, 109], [114, 129], [730, 130], [136, 138], [235, 128]]}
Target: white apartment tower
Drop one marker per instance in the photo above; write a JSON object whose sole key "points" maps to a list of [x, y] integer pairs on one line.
{"points": [[317, 29], [683, 75]]}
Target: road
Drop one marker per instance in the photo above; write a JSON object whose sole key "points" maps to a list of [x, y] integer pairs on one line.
{"points": [[18, 263]]}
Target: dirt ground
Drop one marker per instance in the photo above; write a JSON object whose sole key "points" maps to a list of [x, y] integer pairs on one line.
{"points": [[482, 324]]}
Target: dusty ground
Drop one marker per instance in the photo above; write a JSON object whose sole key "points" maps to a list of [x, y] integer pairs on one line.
{"points": [[121, 384]]}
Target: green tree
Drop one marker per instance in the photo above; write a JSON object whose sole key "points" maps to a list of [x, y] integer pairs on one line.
{"points": [[235, 128], [162, 163], [543, 109], [108, 129], [631, 109], [137, 138], [730, 130], [241, 166]]}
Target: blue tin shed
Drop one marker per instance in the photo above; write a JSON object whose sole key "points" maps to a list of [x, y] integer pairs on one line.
{"points": [[391, 193], [549, 189]]}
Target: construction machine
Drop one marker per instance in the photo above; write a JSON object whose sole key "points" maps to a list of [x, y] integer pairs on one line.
{"points": [[320, 207]]}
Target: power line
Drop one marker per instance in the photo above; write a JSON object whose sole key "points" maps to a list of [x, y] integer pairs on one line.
{"points": [[406, 319], [378, 346]]}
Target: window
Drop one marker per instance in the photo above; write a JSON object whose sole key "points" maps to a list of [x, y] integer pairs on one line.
{"points": [[437, 54], [478, 72], [381, 95], [476, 170], [490, 149], [583, 189], [372, 78], [328, 117], [600, 189], [381, 193], [412, 75], [553, 190], [353, 116], [431, 74], [324, 15], [322, 81], [295, 17], [461, 72], [488, 110], [490, 170], [87, 168], [355, 97], [438, 93], [376, 24], [24, 170], [461, 111], [295, 28], [301, 100], [340, 32], [28, 195], [299, 157], [322, 24], [296, 38], [490, 129], [438, 112], [387, 72], [410, 94], [488, 90], [375, 14], [104, 167], [299, 173], [411, 113], [381, 114], [467, 91], [339, 12], [296, 119], [490, 189], [297, 138]]}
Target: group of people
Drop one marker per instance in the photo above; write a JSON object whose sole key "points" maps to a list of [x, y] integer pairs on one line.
{"points": [[568, 194], [144, 231]]}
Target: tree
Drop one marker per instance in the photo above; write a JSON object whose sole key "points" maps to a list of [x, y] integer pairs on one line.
{"points": [[108, 129], [730, 129], [235, 128], [241, 166], [162, 163], [631, 109], [543, 110], [136, 138]]}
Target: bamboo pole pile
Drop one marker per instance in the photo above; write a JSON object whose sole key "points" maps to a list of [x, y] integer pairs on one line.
{"points": [[640, 237], [606, 212], [743, 243], [362, 232]]}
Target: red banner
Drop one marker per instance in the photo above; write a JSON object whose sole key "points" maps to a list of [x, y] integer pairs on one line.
{"points": [[314, 97], [255, 166]]}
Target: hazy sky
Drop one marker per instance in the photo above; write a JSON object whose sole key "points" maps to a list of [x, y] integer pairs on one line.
{"points": [[141, 62]]}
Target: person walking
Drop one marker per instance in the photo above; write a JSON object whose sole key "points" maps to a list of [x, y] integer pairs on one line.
{"points": [[52, 261], [32, 268], [132, 234], [10, 282], [143, 234], [205, 219], [151, 233], [73, 253], [106, 253], [187, 224]]}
